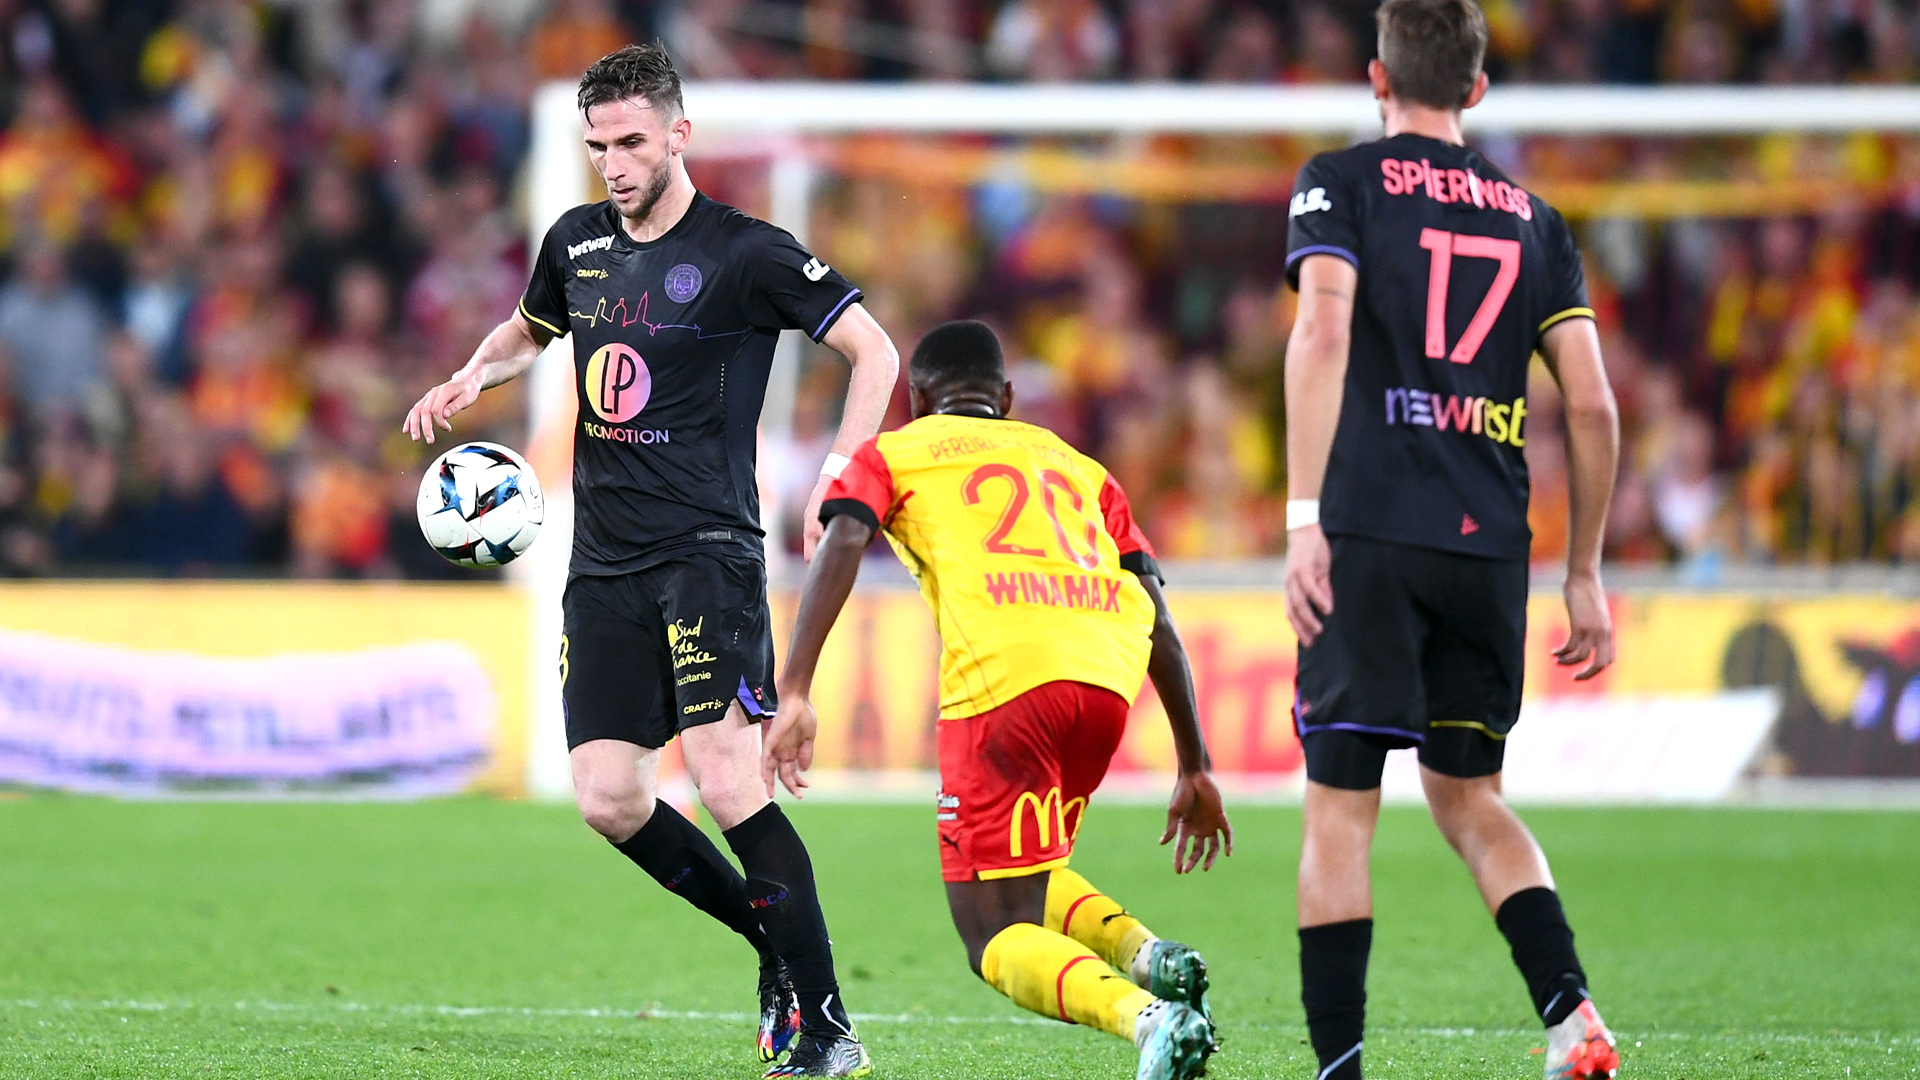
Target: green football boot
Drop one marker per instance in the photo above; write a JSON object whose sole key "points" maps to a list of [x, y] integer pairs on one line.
{"points": [[1174, 1041], [1175, 972]]}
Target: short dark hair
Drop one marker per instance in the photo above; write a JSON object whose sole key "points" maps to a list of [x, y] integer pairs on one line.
{"points": [[636, 71], [1432, 49], [962, 353]]}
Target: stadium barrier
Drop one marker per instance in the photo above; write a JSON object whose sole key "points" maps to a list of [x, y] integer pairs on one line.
{"points": [[1708, 688], [390, 689], [264, 688]]}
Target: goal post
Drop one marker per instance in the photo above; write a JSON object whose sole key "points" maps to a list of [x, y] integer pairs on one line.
{"points": [[784, 126]]}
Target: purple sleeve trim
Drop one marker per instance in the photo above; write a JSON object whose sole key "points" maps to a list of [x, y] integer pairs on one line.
{"points": [[852, 295], [1323, 249]]}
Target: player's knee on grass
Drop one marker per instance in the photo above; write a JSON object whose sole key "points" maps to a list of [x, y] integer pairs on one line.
{"points": [[981, 909]]}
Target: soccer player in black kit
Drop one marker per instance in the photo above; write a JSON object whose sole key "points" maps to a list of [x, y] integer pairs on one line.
{"points": [[674, 303], [1427, 281]]}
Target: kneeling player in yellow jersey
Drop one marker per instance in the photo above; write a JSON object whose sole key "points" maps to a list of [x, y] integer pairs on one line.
{"points": [[1049, 607]]}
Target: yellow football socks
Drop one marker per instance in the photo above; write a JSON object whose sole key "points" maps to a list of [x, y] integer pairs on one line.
{"points": [[1058, 977], [1085, 914]]}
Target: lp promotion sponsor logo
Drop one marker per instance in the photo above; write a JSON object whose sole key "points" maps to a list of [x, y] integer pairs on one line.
{"points": [[617, 385]]}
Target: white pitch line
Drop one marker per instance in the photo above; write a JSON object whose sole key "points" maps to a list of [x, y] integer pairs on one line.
{"points": [[591, 1013]]}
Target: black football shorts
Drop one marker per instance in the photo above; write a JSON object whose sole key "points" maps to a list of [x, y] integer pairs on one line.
{"points": [[649, 654], [1424, 648]]}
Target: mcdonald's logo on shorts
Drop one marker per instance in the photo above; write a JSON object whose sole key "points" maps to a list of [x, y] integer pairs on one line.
{"points": [[1049, 817]]}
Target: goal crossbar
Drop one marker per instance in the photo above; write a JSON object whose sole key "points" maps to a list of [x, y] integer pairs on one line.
{"points": [[834, 108]]}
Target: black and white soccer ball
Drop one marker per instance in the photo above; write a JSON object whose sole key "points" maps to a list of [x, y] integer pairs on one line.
{"points": [[480, 505]]}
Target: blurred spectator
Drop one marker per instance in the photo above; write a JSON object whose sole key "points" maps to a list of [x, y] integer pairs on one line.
{"points": [[54, 331], [1248, 50], [237, 237], [192, 523], [1327, 51], [54, 171], [1053, 41], [574, 34], [1686, 493], [154, 311]]}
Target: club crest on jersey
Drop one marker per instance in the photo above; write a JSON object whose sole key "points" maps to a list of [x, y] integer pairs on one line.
{"points": [[601, 243], [815, 269], [1309, 201], [683, 283]]}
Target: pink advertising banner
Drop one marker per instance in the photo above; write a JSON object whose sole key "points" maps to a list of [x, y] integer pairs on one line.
{"points": [[404, 719]]}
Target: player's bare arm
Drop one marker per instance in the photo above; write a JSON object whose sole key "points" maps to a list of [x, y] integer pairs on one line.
{"points": [[1572, 352], [787, 749], [876, 367], [1316, 372], [503, 355], [1196, 820]]}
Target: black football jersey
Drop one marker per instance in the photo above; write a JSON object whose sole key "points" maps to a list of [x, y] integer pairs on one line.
{"points": [[672, 344], [1460, 272]]}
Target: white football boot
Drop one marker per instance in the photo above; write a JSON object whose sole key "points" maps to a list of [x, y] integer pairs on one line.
{"points": [[1581, 1048]]}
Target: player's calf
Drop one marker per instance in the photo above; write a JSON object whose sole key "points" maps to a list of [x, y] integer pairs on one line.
{"points": [[1168, 969], [780, 890]]}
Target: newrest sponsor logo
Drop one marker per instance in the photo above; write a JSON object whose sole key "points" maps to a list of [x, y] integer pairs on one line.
{"points": [[599, 243], [1462, 415]]}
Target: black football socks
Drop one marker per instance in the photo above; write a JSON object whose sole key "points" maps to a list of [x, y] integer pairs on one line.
{"points": [[781, 891], [1333, 987], [1536, 928], [682, 858]]}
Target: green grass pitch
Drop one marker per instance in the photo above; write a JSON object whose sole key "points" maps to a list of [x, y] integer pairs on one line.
{"points": [[470, 938]]}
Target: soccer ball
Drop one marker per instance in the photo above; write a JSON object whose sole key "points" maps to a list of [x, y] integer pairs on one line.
{"points": [[480, 505]]}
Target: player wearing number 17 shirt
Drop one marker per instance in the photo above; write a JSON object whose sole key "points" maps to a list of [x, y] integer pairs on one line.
{"points": [[674, 303], [1428, 279]]}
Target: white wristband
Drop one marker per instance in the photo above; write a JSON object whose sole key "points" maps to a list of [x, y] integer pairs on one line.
{"points": [[835, 465], [1302, 512]]}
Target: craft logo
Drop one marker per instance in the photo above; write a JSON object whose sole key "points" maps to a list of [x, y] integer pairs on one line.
{"points": [[574, 251], [1049, 819], [683, 283], [815, 269], [1462, 415]]}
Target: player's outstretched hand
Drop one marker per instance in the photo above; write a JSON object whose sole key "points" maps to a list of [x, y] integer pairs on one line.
{"points": [[1197, 823], [810, 528], [787, 745], [1590, 627], [438, 406], [1309, 581]]}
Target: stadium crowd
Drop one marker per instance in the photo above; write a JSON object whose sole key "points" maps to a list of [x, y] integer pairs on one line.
{"points": [[239, 237]]}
